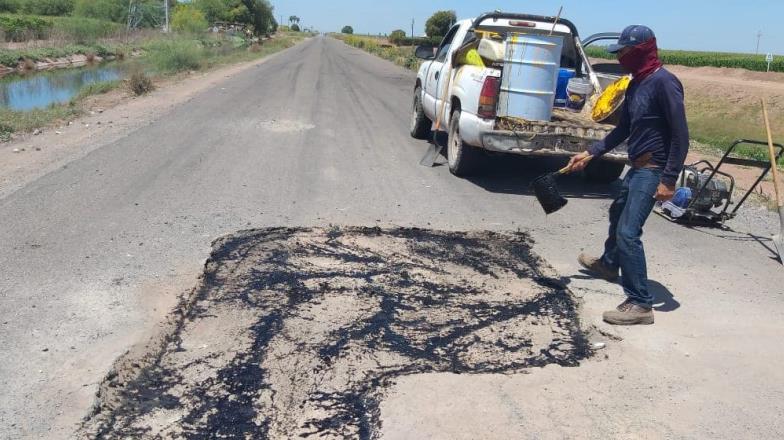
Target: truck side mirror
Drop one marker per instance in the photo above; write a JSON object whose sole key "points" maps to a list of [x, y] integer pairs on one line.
{"points": [[425, 52]]}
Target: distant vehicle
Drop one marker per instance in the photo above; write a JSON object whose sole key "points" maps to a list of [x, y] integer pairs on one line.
{"points": [[468, 104]]}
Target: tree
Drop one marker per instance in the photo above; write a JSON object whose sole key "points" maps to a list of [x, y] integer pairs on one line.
{"points": [[293, 19], [295, 27], [9, 5], [187, 18], [439, 23], [213, 10], [261, 17], [397, 36], [347, 30]]}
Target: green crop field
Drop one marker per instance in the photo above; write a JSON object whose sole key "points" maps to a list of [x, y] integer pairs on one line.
{"points": [[701, 59]]}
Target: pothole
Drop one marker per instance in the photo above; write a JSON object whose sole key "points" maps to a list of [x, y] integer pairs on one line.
{"points": [[284, 126], [298, 332]]}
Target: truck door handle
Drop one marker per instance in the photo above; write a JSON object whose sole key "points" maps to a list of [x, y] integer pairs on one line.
{"points": [[437, 75]]}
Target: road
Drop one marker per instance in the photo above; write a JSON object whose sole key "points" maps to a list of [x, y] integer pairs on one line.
{"points": [[94, 253]]}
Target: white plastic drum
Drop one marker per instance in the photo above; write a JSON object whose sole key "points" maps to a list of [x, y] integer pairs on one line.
{"points": [[530, 76]]}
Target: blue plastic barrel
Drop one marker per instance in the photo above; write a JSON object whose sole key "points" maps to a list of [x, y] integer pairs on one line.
{"points": [[564, 75], [530, 76]]}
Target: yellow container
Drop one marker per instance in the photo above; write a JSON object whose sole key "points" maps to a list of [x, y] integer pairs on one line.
{"points": [[609, 103]]}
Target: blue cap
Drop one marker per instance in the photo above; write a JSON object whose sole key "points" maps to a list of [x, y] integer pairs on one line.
{"points": [[632, 36]]}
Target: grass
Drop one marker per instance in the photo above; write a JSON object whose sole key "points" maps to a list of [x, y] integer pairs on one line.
{"points": [[175, 55], [12, 57], [703, 59], [96, 89], [401, 55], [18, 122], [18, 27], [715, 123]]}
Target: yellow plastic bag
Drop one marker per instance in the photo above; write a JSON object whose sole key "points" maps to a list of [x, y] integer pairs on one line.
{"points": [[471, 57]]}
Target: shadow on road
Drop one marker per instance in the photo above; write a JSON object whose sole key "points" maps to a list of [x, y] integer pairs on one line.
{"points": [[664, 300], [510, 174], [513, 174]]}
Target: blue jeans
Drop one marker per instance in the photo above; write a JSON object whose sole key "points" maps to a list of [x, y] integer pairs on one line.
{"points": [[623, 248]]}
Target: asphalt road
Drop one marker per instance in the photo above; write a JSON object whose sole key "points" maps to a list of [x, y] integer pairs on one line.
{"points": [[317, 136]]}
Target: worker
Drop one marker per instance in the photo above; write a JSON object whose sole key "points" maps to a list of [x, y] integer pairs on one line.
{"points": [[653, 120]]}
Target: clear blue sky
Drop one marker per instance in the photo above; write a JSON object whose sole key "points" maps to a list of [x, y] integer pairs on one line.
{"points": [[718, 25]]}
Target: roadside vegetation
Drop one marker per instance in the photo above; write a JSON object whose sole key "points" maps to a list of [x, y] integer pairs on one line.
{"points": [[204, 34], [706, 59]]}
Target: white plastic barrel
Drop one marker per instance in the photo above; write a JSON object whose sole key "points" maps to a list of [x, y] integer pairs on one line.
{"points": [[530, 76]]}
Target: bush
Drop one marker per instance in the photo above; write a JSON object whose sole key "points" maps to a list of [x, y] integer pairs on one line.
{"points": [[347, 30], [140, 84], [85, 30], [397, 36], [111, 10], [48, 7], [22, 27], [214, 10], [9, 5], [176, 55], [295, 27], [189, 19]]}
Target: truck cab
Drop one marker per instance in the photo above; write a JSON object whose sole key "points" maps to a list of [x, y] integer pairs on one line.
{"points": [[463, 98]]}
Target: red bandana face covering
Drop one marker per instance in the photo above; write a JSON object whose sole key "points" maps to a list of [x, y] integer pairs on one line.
{"points": [[642, 60]]}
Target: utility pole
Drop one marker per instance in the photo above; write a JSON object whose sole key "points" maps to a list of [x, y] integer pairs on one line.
{"points": [[412, 28], [166, 8], [759, 35]]}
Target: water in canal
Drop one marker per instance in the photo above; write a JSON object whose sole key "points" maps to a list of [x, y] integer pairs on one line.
{"points": [[40, 90]]}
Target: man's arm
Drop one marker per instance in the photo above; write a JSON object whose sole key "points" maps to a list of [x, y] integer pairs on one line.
{"points": [[613, 139], [619, 134], [671, 102]]}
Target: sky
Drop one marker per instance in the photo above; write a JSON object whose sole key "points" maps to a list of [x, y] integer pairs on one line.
{"points": [[706, 25]]}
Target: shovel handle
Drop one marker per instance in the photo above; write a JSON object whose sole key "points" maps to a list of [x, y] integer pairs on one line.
{"points": [[772, 152], [568, 168]]}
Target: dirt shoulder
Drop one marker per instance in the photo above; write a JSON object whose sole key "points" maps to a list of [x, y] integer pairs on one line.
{"points": [[108, 118]]}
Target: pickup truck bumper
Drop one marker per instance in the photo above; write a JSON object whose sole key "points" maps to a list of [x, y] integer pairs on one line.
{"points": [[544, 144], [543, 139]]}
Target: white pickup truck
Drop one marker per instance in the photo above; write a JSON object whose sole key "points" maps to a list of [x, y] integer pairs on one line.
{"points": [[466, 105]]}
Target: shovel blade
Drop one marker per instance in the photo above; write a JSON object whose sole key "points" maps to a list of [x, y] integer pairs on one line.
{"points": [[431, 155], [778, 241]]}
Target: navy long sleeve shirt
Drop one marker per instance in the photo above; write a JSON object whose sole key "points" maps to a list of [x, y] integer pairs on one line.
{"points": [[653, 119]]}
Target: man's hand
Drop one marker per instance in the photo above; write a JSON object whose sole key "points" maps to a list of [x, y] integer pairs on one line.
{"points": [[664, 192], [578, 162]]}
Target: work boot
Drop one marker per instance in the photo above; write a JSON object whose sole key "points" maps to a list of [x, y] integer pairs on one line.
{"points": [[596, 268], [629, 313]]}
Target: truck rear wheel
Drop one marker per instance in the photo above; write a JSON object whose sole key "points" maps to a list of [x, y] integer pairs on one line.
{"points": [[420, 124], [603, 171], [464, 160]]}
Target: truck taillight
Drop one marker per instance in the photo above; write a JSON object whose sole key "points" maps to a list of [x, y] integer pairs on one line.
{"points": [[489, 97]]}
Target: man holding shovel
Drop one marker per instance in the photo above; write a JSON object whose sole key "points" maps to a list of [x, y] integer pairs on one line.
{"points": [[653, 119]]}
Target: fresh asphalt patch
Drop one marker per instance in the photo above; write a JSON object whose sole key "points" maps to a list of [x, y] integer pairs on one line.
{"points": [[298, 332]]}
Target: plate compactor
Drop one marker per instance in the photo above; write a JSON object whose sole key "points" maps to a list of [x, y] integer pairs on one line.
{"points": [[703, 195]]}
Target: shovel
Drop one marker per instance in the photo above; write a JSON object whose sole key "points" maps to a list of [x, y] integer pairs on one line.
{"points": [[546, 189], [778, 239]]}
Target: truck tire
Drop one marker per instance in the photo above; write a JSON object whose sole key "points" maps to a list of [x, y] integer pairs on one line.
{"points": [[420, 124], [603, 171], [464, 159]]}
